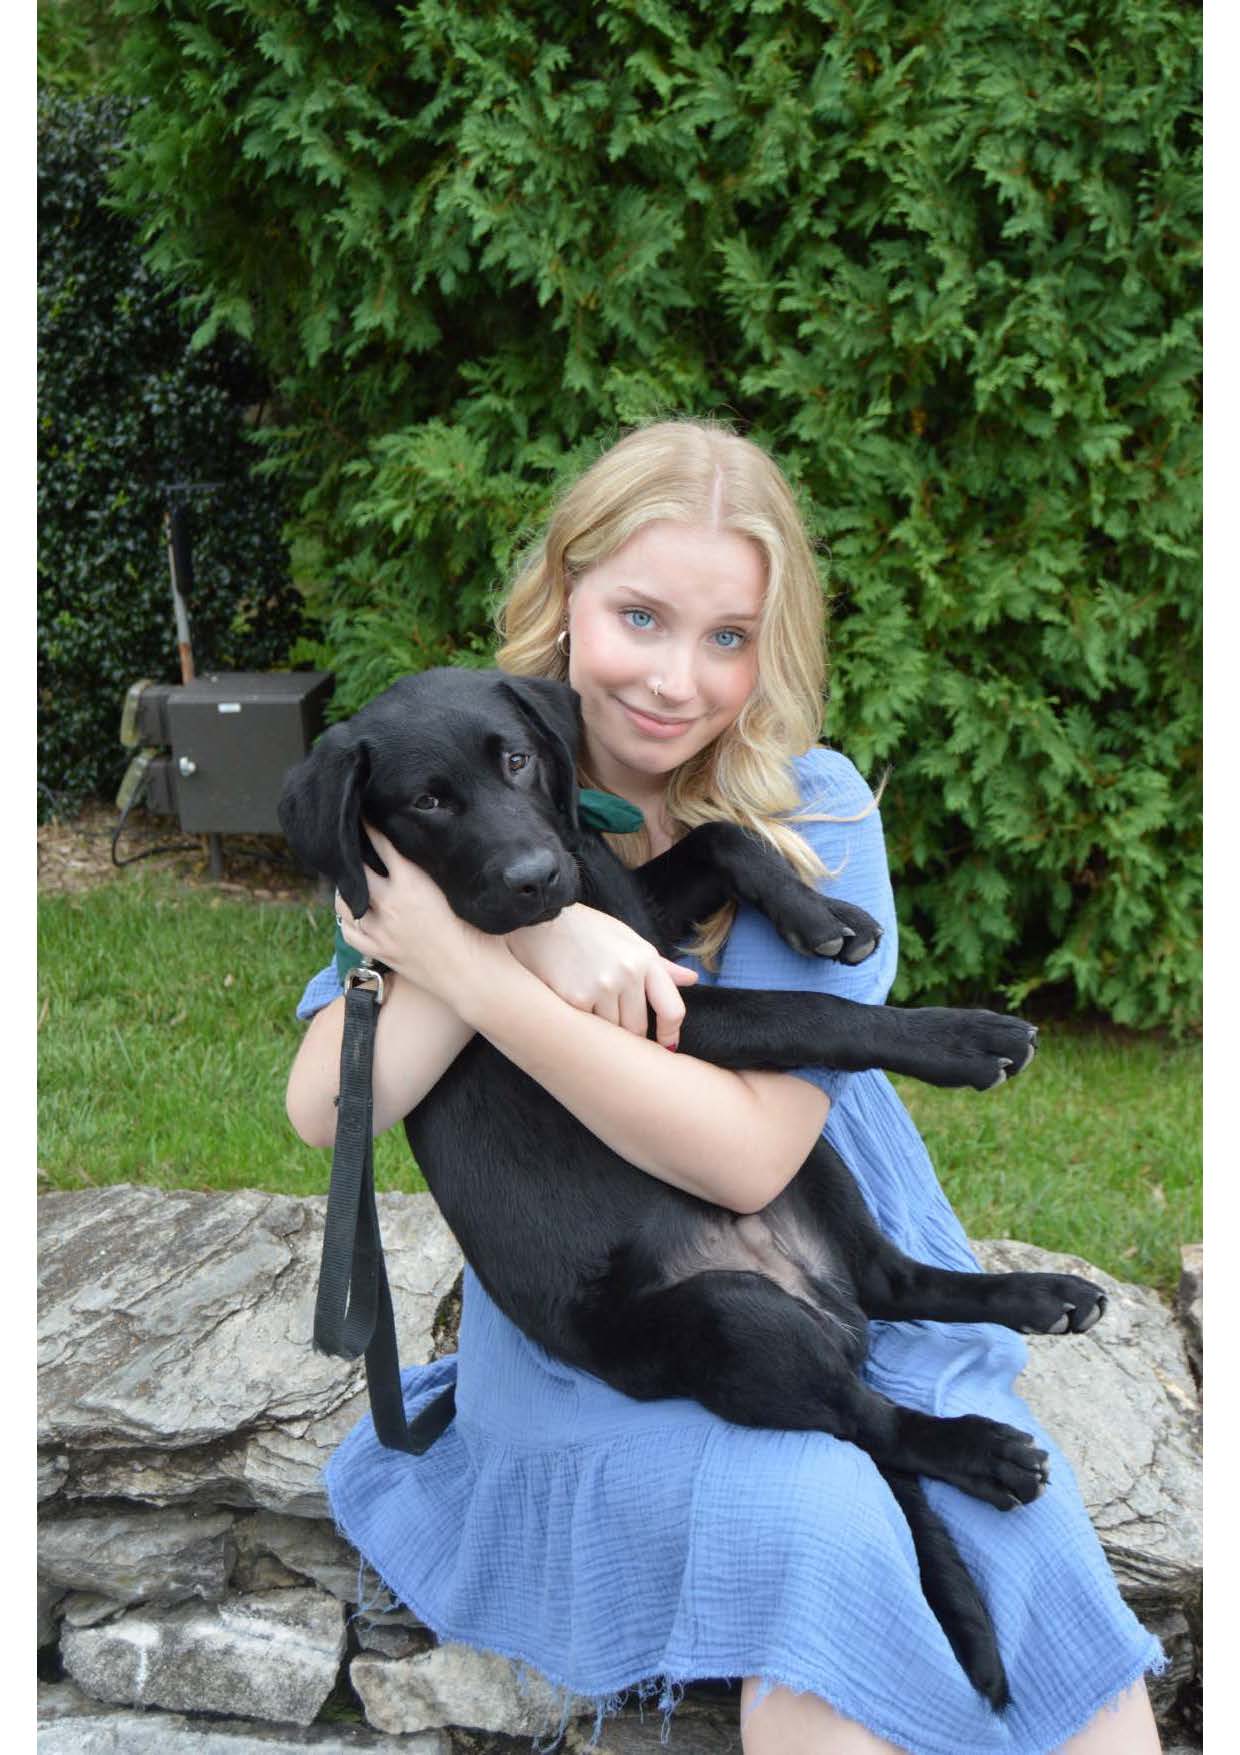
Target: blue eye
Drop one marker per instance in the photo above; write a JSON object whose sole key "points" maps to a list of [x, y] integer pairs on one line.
{"points": [[641, 626], [734, 638]]}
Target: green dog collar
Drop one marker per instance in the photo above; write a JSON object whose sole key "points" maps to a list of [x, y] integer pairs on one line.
{"points": [[607, 813]]}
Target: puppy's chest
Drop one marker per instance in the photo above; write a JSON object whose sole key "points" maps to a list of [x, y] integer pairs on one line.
{"points": [[613, 889]]}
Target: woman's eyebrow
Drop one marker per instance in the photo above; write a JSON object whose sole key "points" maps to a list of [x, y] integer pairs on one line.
{"points": [[740, 615]]}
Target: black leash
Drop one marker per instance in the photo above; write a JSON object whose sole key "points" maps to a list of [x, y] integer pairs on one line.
{"points": [[353, 1309]]}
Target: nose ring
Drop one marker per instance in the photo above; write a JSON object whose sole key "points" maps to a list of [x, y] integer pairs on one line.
{"points": [[656, 685]]}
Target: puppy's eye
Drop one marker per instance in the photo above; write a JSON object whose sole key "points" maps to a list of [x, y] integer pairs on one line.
{"points": [[515, 760], [426, 801]]}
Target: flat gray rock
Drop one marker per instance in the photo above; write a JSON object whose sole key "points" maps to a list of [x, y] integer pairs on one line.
{"points": [[1121, 1403], [455, 1685], [139, 1556], [70, 1723], [309, 1549], [273, 1655], [175, 1355]]}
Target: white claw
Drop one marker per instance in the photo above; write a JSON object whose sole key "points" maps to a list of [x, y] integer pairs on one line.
{"points": [[1060, 1327]]}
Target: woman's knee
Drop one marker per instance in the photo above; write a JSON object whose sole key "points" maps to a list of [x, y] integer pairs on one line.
{"points": [[777, 1721], [1123, 1727]]}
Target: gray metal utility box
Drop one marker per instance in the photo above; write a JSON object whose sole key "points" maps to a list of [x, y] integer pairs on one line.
{"points": [[234, 736]]}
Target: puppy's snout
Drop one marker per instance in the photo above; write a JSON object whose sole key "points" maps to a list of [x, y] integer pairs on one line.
{"points": [[535, 876]]}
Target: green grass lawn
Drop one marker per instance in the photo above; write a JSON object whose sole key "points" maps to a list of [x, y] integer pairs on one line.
{"points": [[166, 1039], [166, 1031]]}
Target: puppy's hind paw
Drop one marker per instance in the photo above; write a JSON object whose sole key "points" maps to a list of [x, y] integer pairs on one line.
{"points": [[1058, 1304], [997, 1463]]}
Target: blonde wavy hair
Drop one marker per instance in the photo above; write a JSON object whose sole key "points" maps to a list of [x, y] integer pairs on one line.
{"points": [[695, 472]]}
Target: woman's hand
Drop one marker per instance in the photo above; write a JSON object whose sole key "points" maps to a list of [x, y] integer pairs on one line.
{"points": [[600, 965], [411, 927]]}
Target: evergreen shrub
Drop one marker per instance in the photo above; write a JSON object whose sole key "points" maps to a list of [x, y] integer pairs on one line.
{"points": [[124, 406], [942, 260]]}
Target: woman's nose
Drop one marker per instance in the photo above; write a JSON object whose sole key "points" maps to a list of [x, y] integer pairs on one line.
{"points": [[674, 674]]}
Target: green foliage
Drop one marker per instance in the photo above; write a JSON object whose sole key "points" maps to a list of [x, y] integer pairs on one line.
{"points": [[942, 261], [123, 407], [79, 45]]}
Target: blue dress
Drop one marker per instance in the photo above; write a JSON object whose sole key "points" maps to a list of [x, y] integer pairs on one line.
{"points": [[615, 1545]]}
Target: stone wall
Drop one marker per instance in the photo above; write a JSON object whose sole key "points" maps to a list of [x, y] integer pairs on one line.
{"points": [[192, 1590]]}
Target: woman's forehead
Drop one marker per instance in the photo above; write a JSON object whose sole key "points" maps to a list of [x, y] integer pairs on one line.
{"points": [[671, 564]]}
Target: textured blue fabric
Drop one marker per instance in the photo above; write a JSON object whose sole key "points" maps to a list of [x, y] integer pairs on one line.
{"points": [[321, 989], [609, 1543]]}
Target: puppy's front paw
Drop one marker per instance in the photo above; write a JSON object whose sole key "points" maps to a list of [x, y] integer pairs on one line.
{"points": [[819, 928], [996, 1048]]}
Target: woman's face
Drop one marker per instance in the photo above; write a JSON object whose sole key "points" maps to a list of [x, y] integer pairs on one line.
{"points": [[663, 640]]}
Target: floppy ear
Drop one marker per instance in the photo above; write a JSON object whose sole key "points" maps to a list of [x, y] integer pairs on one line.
{"points": [[320, 812], [553, 709]]}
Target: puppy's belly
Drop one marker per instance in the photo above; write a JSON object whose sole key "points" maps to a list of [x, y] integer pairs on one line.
{"points": [[782, 1250]]}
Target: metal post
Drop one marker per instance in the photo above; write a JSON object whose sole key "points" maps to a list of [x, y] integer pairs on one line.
{"points": [[181, 569]]}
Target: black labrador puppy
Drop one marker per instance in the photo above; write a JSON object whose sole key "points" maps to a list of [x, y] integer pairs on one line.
{"points": [[761, 1317]]}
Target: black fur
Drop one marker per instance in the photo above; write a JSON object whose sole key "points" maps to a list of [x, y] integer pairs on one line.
{"points": [[762, 1317]]}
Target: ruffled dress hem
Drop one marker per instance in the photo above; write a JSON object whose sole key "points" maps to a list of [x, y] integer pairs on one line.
{"points": [[665, 1690]]}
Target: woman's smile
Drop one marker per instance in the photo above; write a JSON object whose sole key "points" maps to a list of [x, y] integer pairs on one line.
{"points": [[656, 725]]}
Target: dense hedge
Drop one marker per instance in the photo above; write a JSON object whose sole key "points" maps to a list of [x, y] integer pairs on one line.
{"points": [[942, 260], [123, 407]]}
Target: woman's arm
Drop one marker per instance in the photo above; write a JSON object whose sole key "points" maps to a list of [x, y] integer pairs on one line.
{"points": [[595, 964], [417, 1037], [733, 1138]]}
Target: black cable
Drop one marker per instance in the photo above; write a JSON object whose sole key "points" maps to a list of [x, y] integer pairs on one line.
{"points": [[184, 846], [149, 853]]}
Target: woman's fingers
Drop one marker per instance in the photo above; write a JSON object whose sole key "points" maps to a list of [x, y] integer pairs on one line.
{"points": [[632, 1010], [663, 997]]}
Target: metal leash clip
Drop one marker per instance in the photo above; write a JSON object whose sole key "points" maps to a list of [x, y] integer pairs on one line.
{"points": [[365, 975]]}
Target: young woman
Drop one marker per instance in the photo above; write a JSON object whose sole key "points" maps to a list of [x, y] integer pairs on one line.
{"points": [[613, 1544]]}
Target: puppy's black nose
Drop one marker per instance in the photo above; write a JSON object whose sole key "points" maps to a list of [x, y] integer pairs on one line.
{"points": [[534, 875]]}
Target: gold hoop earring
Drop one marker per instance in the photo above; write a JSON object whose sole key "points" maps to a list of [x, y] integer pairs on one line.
{"points": [[561, 641]]}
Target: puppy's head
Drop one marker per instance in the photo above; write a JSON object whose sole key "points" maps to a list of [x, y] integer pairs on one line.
{"points": [[471, 774]]}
